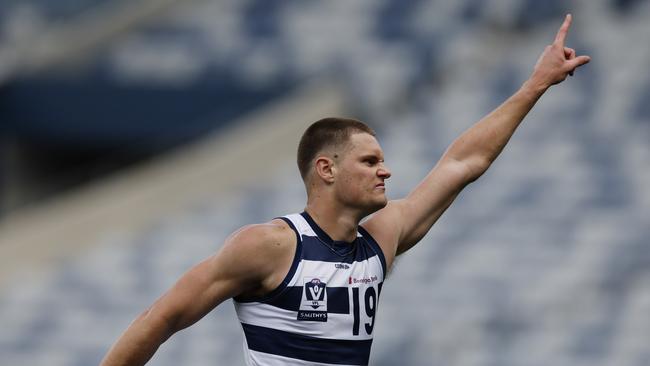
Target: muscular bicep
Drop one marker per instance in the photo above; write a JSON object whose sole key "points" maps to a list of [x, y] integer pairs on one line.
{"points": [[430, 199], [245, 264], [196, 293]]}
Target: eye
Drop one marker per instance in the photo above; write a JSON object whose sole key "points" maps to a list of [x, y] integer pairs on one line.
{"points": [[371, 161]]}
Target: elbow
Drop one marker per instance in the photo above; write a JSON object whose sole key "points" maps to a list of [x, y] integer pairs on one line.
{"points": [[469, 170], [476, 172], [159, 324], [476, 167]]}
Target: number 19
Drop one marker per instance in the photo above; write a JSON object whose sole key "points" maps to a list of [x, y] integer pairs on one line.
{"points": [[370, 306]]}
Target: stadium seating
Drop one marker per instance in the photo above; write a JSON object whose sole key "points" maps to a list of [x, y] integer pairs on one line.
{"points": [[545, 260]]}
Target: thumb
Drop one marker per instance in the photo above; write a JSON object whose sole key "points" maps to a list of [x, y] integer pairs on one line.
{"points": [[577, 62]]}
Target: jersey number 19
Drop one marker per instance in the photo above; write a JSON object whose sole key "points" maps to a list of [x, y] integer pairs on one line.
{"points": [[369, 300]]}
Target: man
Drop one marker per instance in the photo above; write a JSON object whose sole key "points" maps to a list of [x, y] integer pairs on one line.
{"points": [[306, 286]]}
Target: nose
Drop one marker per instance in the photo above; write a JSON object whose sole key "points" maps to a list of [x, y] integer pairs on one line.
{"points": [[383, 172]]}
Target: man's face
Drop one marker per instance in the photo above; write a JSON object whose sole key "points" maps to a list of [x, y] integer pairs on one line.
{"points": [[361, 173]]}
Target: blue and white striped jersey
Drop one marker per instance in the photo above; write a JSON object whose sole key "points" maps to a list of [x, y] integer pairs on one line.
{"points": [[324, 311]]}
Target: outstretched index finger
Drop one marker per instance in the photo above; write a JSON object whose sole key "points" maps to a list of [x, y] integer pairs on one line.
{"points": [[564, 29]]}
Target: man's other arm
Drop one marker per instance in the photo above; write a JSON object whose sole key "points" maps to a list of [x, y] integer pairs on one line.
{"points": [[241, 267], [404, 222]]}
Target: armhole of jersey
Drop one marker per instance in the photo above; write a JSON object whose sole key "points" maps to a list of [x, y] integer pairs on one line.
{"points": [[375, 246], [285, 282]]}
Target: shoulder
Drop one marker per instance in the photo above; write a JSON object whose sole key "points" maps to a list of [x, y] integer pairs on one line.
{"points": [[271, 238], [260, 253]]}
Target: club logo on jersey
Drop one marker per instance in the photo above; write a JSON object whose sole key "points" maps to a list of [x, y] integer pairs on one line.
{"points": [[313, 306], [315, 291]]}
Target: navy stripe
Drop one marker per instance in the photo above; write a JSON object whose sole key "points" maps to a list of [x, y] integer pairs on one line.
{"points": [[292, 226], [334, 351], [320, 232], [375, 246], [315, 250], [341, 248], [294, 266], [338, 299], [322, 248]]}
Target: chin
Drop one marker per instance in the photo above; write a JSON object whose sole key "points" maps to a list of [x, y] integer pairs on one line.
{"points": [[377, 205]]}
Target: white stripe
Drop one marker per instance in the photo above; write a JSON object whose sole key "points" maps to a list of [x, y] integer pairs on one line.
{"points": [[337, 326], [297, 275], [303, 226], [248, 360], [267, 359], [335, 277], [362, 274]]}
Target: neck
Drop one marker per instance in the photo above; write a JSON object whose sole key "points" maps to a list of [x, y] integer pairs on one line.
{"points": [[339, 223]]}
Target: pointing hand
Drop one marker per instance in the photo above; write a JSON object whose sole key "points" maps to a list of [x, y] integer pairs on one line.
{"points": [[557, 61]]}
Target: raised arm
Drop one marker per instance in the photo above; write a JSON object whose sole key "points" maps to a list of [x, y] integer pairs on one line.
{"points": [[404, 222], [241, 267]]}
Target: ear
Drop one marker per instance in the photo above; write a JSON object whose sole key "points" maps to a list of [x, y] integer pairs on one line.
{"points": [[325, 169]]}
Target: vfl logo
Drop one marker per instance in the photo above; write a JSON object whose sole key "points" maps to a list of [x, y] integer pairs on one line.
{"points": [[315, 292], [313, 306]]}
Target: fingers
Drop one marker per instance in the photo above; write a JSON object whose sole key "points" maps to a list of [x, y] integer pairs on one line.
{"points": [[564, 29], [577, 62], [557, 61], [580, 60], [569, 54]]}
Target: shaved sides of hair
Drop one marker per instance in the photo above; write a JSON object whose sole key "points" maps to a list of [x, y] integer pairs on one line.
{"points": [[331, 132]]}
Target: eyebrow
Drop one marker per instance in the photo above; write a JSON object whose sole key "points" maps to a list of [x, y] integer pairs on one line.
{"points": [[373, 156]]}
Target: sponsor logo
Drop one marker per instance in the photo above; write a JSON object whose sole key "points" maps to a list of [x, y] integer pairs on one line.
{"points": [[364, 280], [314, 316], [341, 266], [313, 306]]}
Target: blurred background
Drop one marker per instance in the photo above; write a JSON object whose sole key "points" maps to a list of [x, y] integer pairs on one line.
{"points": [[136, 135]]}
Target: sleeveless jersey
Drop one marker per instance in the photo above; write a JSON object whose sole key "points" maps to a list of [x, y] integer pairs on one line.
{"points": [[324, 311]]}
